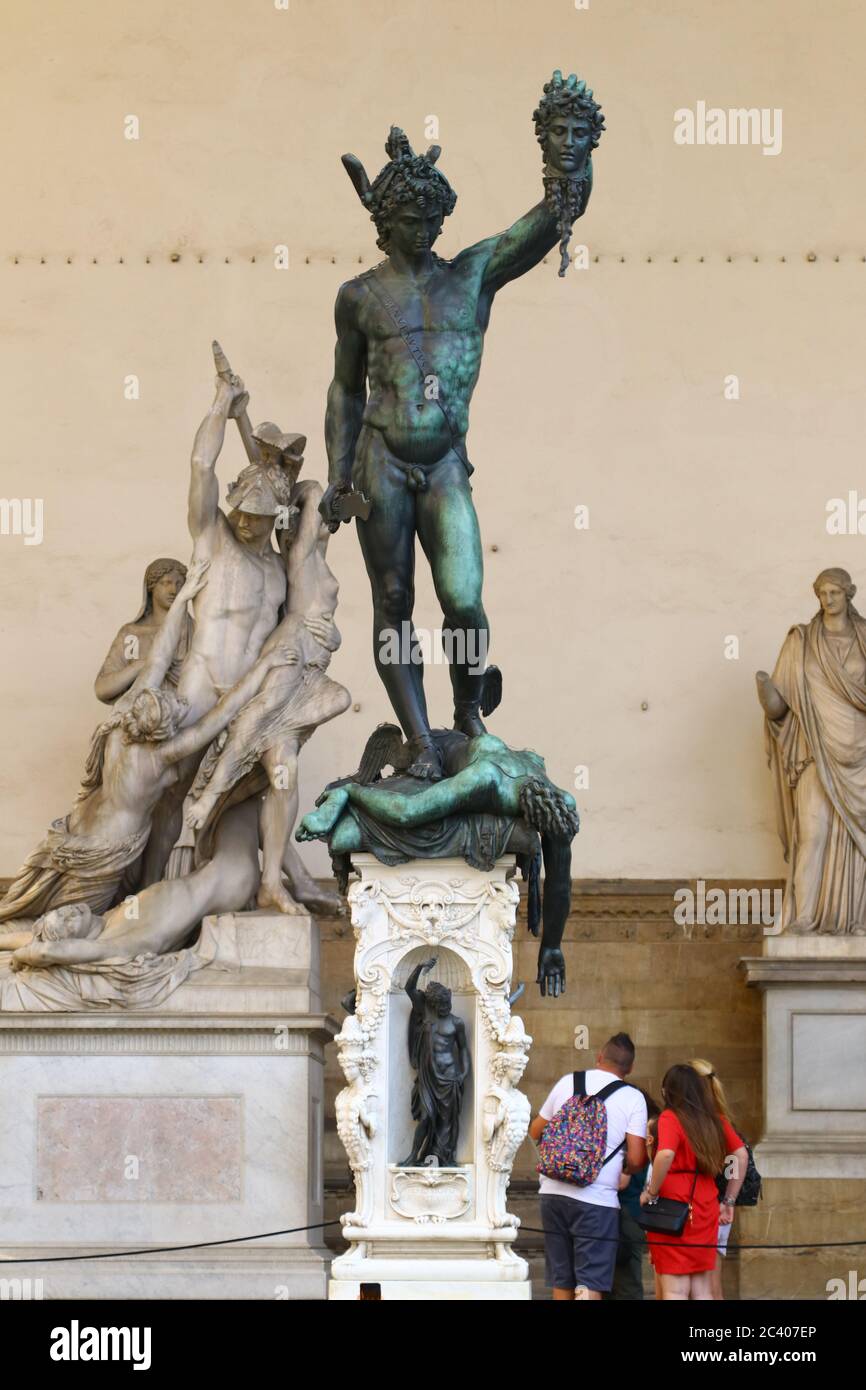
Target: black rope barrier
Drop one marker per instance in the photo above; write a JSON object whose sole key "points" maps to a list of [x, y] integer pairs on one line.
{"points": [[321, 1225]]}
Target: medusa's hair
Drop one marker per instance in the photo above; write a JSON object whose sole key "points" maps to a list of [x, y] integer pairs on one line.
{"points": [[567, 97], [548, 809], [406, 178]]}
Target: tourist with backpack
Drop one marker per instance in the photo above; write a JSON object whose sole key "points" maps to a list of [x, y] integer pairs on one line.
{"points": [[680, 1207], [751, 1188], [591, 1127]]}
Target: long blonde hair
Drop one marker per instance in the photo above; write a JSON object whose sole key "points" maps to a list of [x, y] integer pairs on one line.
{"points": [[707, 1070]]}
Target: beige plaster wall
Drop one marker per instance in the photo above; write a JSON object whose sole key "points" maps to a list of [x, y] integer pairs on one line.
{"points": [[707, 516]]}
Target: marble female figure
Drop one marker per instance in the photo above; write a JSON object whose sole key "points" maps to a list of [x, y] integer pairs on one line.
{"points": [[130, 648], [815, 707]]}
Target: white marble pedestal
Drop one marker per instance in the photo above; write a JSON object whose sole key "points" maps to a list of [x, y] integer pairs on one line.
{"points": [[431, 1233], [200, 1120], [814, 991]]}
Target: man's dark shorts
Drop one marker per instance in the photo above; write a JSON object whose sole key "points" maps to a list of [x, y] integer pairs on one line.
{"points": [[580, 1243]]}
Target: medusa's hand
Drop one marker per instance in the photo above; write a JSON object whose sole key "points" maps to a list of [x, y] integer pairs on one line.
{"points": [[551, 971]]}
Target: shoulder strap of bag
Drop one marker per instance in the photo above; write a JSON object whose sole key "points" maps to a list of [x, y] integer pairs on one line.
{"points": [[377, 289], [609, 1089], [580, 1083], [602, 1095]]}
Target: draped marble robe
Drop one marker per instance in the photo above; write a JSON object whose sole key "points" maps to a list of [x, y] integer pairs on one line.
{"points": [[817, 753]]}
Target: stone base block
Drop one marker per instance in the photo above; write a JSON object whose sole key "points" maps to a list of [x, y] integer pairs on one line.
{"points": [[430, 1290], [814, 991], [200, 1120], [822, 1214], [237, 1274]]}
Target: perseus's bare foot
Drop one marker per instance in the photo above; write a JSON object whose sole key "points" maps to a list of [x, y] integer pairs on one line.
{"points": [[317, 824], [276, 895], [198, 811], [426, 762]]}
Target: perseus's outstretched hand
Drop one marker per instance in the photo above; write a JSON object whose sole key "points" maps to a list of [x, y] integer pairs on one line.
{"points": [[551, 971]]}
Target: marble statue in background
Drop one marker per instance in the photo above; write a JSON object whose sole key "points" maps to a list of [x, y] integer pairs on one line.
{"points": [[410, 335], [815, 708], [165, 913], [134, 756], [129, 650], [439, 1055], [265, 739], [258, 599], [258, 611], [239, 609]]}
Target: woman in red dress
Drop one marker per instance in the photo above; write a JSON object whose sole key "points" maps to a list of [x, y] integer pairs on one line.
{"points": [[692, 1146]]}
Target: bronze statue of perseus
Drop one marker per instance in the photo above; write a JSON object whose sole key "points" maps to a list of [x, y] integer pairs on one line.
{"points": [[410, 335]]}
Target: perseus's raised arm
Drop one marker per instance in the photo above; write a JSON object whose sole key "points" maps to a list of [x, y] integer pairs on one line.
{"points": [[528, 240], [568, 126]]}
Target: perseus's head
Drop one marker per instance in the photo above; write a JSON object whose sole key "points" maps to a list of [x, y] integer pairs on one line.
{"points": [[408, 200], [568, 124]]}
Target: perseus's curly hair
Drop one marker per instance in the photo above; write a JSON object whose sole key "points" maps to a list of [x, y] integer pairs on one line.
{"points": [[406, 178], [546, 809], [567, 97]]}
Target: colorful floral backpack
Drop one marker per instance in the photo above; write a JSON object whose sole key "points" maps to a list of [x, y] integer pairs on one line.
{"points": [[572, 1147]]}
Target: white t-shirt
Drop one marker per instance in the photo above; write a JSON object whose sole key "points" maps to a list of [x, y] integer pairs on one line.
{"points": [[626, 1114]]}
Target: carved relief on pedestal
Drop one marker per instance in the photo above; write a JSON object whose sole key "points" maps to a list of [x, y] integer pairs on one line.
{"points": [[430, 1194], [434, 911], [469, 922]]}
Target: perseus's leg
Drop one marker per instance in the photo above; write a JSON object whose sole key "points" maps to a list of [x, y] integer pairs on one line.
{"points": [[449, 532], [388, 545]]}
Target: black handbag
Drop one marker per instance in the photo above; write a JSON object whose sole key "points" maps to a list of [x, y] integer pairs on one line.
{"points": [[667, 1216], [750, 1191]]}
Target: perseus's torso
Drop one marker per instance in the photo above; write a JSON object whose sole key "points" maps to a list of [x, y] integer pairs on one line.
{"points": [[442, 314]]}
